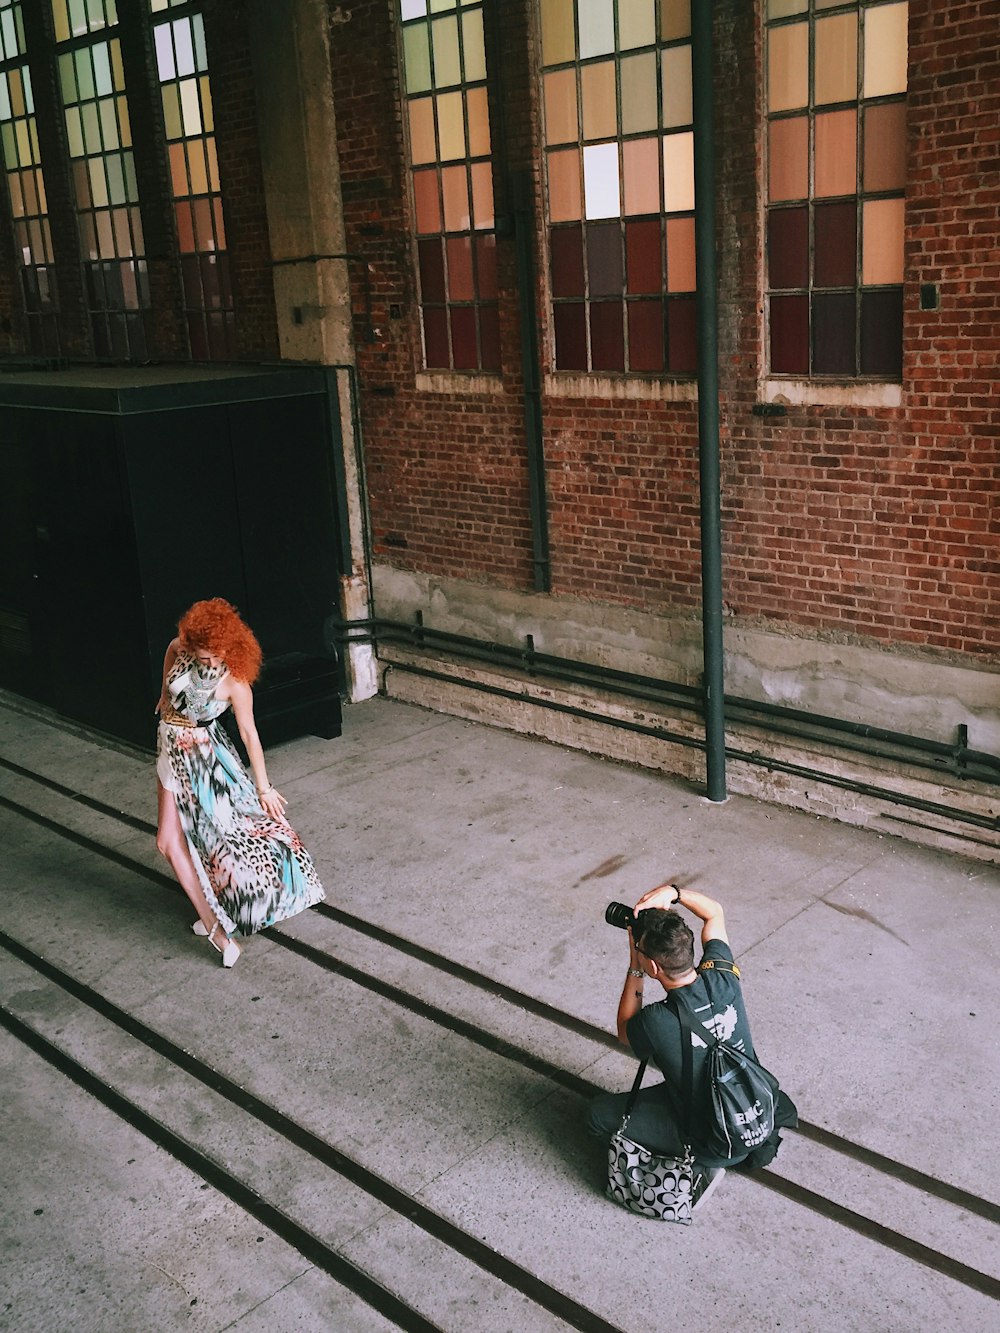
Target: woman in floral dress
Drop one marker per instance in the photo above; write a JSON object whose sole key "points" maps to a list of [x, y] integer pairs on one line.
{"points": [[224, 832]]}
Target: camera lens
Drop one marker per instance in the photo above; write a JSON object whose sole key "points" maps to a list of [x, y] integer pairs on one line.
{"points": [[619, 914]]}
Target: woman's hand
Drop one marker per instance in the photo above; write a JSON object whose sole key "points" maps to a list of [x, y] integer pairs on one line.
{"points": [[274, 803], [161, 703]]}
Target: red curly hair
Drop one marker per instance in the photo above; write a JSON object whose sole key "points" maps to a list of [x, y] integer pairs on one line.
{"points": [[216, 627]]}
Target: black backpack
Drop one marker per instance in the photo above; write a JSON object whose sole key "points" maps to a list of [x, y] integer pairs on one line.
{"points": [[747, 1106]]}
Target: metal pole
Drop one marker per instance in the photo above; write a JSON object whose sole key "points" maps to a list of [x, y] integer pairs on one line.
{"points": [[702, 13]]}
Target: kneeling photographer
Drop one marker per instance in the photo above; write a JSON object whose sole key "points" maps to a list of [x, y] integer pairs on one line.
{"points": [[661, 949]]}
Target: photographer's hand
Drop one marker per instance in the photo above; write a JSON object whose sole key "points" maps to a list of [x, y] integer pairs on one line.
{"points": [[664, 895]]}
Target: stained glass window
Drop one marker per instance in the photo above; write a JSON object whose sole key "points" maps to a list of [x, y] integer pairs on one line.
{"points": [[836, 99], [619, 149], [451, 174], [22, 164], [182, 69], [102, 162]]}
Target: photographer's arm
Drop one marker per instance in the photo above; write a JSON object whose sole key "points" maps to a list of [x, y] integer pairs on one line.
{"points": [[707, 909], [631, 1000]]}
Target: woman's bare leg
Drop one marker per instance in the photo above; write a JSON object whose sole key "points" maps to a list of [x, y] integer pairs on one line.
{"points": [[171, 843]]}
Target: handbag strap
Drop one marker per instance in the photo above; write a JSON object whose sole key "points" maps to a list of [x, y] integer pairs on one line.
{"points": [[687, 1082]]}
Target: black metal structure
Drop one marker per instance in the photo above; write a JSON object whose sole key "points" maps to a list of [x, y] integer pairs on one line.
{"points": [[128, 494]]}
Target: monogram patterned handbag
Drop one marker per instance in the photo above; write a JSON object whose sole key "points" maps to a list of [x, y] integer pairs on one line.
{"points": [[648, 1184], [645, 1182]]}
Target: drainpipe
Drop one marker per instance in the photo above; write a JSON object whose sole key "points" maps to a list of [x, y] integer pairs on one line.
{"points": [[520, 186], [702, 14]]}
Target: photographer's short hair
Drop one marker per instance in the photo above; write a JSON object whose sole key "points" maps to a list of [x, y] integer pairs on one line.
{"points": [[668, 940]]}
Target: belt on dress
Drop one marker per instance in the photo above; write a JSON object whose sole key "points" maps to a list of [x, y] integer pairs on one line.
{"points": [[179, 720]]}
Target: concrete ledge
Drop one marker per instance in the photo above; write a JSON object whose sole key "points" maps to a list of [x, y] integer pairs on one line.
{"points": [[532, 707]]}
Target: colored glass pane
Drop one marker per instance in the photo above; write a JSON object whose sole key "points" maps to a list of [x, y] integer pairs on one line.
{"points": [[645, 336], [882, 333], [788, 247], [677, 92], [464, 344], [570, 327], [682, 335], [564, 185], [560, 107], [836, 169], [636, 24], [607, 335], [790, 335], [678, 173], [644, 256], [882, 241], [451, 126], [473, 47], [788, 67], [638, 82], [482, 195], [836, 59], [426, 196], [675, 19], [558, 31], [604, 259], [680, 255], [885, 50], [834, 323], [461, 284], [788, 158], [431, 263], [477, 111], [422, 144], [486, 265], [444, 46], [836, 245], [455, 193], [566, 251], [599, 100], [885, 147], [436, 351], [641, 171]]}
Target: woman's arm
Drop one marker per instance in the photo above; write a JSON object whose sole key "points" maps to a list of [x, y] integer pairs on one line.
{"points": [[241, 698], [168, 660]]}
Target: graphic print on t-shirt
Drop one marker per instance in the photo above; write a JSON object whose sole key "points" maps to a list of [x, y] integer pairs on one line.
{"points": [[722, 1025]]}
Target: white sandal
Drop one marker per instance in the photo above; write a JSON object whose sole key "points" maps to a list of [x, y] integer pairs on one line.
{"points": [[230, 952]]}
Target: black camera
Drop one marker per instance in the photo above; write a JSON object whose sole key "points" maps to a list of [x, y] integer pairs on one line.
{"points": [[618, 914]]}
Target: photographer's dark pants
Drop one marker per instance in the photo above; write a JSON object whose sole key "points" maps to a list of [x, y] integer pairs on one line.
{"points": [[651, 1124]]}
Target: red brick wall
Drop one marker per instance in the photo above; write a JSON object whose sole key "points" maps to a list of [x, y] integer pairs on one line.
{"points": [[877, 524]]}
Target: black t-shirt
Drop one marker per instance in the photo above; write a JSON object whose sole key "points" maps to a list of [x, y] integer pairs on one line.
{"points": [[715, 1001]]}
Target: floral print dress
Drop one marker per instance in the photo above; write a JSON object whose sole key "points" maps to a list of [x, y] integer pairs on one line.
{"points": [[253, 869]]}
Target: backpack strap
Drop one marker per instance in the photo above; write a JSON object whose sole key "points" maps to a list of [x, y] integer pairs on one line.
{"points": [[696, 1029]]}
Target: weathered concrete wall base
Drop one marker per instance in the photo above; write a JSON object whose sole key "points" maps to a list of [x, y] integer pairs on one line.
{"points": [[519, 709], [925, 696]]}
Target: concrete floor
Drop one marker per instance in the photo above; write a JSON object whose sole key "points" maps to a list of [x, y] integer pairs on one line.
{"points": [[871, 974]]}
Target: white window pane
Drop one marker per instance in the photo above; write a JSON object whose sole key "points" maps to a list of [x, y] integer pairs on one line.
{"points": [[165, 67], [602, 194], [184, 47], [597, 27], [412, 9]]}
